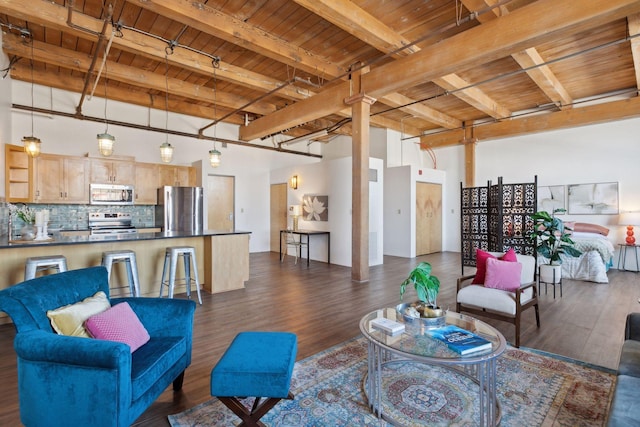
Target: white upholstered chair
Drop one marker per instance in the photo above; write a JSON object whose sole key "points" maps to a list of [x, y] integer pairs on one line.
{"points": [[500, 304]]}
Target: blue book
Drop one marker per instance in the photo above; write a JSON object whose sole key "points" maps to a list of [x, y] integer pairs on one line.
{"points": [[460, 340]]}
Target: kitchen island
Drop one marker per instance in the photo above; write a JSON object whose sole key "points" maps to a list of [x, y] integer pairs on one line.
{"points": [[222, 256]]}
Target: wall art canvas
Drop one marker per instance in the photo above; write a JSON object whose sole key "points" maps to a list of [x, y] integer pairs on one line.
{"points": [[600, 198], [551, 198], [315, 208]]}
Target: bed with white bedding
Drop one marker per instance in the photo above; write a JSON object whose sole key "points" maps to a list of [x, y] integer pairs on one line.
{"points": [[595, 261]]}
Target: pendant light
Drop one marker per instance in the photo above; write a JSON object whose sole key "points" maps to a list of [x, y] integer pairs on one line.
{"points": [[166, 150], [105, 140], [31, 143], [214, 155]]}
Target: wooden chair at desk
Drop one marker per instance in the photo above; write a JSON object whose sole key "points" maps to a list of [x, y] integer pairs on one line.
{"points": [[295, 241]]}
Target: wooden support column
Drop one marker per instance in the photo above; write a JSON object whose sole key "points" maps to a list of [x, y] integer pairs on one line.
{"points": [[360, 109], [469, 143]]}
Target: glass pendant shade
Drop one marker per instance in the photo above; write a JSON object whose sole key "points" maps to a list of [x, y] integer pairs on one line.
{"points": [[214, 158], [166, 152], [31, 145], [105, 144]]}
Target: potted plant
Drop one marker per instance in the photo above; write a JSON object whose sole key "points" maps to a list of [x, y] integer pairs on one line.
{"points": [[552, 239], [427, 287]]}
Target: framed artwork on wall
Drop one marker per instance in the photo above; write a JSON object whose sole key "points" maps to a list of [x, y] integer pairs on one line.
{"points": [[599, 198], [551, 197], [315, 208]]}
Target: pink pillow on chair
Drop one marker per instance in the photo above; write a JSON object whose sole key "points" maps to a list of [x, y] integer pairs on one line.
{"points": [[481, 263], [119, 323], [503, 275]]}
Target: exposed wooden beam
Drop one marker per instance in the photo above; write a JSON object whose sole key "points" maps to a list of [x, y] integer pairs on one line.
{"points": [[594, 114], [534, 24], [54, 16], [473, 96], [366, 27], [633, 23], [65, 58], [211, 21], [541, 75]]}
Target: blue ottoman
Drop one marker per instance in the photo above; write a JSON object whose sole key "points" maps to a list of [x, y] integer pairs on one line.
{"points": [[256, 364]]}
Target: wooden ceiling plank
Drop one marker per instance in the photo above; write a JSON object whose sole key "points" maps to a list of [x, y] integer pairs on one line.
{"points": [[541, 75], [472, 96], [355, 20], [422, 111], [528, 26], [69, 59], [633, 23], [66, 82], [226, 27], [594, 114], [55, 16]]}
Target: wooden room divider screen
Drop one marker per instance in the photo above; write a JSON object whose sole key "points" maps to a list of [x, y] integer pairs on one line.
{"points": [[497, 217]]}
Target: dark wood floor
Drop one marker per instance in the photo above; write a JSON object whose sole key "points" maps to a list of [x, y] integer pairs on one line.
{"points": [[323, 307]]}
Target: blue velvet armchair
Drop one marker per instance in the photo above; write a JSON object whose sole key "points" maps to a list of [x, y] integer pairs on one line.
{"points": [[74, 381]]}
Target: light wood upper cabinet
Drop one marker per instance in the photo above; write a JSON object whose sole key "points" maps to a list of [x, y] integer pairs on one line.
{"points": [[182, 176], [112, 172], [147, 183], [61, 179], [18, 178]]}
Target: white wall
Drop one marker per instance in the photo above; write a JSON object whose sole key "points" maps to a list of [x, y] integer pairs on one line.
{"points": [[333, 178], [607, 152]]}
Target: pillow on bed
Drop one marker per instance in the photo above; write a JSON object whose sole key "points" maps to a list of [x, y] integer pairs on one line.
{"points": [[591, 228], [584, 235]]}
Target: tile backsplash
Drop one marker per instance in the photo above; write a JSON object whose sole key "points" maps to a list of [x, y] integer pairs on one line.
{"points": [[76, 217]]}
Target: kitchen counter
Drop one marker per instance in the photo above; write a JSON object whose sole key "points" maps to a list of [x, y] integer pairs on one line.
{"points": [[222, 257], [75, 240]]}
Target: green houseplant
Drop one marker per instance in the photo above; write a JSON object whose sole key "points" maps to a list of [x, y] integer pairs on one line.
{"points": [[552, 239], [427, 287]]}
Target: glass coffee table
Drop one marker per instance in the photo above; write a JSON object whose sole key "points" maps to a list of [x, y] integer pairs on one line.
{"points": [[415, 346]]}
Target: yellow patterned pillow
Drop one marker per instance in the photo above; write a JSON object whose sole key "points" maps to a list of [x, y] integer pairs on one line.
{"points": [[69, 320]]}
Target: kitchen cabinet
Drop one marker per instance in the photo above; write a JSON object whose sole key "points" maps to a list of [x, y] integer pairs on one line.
{"points": [[18, 174], [146, 184], [61, 179], [112, 172], [182, 176]]}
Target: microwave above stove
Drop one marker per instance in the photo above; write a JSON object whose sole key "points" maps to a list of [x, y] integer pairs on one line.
{"points": [[111, 194]]}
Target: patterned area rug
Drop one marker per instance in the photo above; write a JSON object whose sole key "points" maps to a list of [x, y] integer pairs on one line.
{"points": [[534, 389]]}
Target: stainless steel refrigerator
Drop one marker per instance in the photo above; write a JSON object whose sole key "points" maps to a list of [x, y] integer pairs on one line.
{"points": [[180, 209]]}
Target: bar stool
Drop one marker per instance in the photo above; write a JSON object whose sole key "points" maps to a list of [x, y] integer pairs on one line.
{"points": [[43, 263], [188, 254], [129, 258]]}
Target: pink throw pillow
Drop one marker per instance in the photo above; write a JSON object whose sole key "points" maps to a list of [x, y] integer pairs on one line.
{"points": [[503, 275], [119, 323], [481, 263]]}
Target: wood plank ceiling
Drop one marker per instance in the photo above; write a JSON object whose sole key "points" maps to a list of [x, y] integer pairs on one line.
{"points": [[449, 71]]}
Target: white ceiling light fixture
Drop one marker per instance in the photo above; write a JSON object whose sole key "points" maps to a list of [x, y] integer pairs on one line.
{"points": [[31, 143], [215, 155], [105, 140], [166, 150]]}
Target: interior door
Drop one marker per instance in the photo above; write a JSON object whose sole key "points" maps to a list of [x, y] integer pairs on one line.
{"points": [[220, 202], [277, 214], [428, 218]]}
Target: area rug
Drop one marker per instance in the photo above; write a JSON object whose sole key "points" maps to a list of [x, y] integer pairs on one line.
{"points": [[534, 389]]}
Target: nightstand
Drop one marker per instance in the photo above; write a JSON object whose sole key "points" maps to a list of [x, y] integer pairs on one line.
{"points": [[622, 256]]}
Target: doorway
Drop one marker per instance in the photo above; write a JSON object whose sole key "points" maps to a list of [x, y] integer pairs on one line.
{"points": [[428, 218], [220, 202], [277, 214]]}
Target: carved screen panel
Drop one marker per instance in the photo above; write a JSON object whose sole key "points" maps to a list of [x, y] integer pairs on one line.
{"points": [[474, 225]]}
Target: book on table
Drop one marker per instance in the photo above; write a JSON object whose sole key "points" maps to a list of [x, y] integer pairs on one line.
{"points": [[460, 340]]}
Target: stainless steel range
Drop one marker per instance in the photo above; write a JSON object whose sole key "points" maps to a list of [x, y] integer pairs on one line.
{"points": [[101, 223]]}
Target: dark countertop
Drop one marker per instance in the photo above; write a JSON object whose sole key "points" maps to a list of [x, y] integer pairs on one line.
{"points": [[75, 240]]}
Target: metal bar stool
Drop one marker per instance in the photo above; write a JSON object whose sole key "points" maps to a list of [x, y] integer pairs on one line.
{"points": [[43, 263], [129, 258], [188, 254]]}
